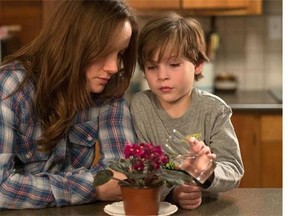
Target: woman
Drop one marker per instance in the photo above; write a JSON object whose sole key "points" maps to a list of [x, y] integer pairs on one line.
{"points": [[61, 105]]}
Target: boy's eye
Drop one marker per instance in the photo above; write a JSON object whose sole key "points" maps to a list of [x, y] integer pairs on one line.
{"points": [[151, 67], [174, 64]]}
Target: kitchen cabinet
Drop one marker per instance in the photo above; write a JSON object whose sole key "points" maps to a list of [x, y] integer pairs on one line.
{"points": [[25, 14], [271, 151], [209, 4], [260, 138], [227, 8], [154, 5], [201, 7], [48, 7], [32, 14]]}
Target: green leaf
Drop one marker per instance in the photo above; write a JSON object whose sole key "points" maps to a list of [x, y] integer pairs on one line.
{"points": [[102, 177], [118, 168], [123, 169], [177, 177]]}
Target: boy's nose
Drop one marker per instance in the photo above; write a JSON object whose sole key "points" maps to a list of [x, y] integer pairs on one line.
{"points": [[163, 74]]}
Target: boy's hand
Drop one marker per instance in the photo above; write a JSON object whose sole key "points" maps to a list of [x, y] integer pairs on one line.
{"points": [[188, 196], [199, 148]]}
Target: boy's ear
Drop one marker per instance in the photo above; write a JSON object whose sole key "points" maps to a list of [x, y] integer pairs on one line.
{"points": [[199, 68]]}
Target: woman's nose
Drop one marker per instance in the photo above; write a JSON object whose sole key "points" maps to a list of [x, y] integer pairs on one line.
{"points": [[111, 64]]}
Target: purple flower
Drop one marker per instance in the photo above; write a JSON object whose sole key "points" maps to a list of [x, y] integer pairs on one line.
{"points": [[133, 150], [144, 165], [143, 159], [138, 165]]}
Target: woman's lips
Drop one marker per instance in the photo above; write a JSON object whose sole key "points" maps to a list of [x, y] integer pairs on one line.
{"points": [[103, 81]]}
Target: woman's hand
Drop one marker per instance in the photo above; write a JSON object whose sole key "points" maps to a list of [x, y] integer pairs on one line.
{"points": [[111, 190], [188, 196]]}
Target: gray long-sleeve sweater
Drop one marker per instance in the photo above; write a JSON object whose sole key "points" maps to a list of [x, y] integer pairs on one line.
{"points": [[208, 118]]}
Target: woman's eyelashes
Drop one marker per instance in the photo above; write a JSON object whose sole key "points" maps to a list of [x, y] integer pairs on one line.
{"points": [[121, 55]]}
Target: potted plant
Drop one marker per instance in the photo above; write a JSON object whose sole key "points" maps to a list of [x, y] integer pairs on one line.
{"points": [[147, 169]]}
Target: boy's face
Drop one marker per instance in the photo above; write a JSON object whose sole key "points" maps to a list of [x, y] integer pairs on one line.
{"points": [[171, 79]]}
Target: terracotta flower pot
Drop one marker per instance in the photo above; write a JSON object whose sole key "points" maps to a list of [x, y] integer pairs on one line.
{"points": [[141, 201]]}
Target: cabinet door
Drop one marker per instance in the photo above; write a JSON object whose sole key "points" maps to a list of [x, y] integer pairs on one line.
{"points": [[260, 139], [155, 4], [271, 150], [27, 14], [247, 130], [213, 4]]}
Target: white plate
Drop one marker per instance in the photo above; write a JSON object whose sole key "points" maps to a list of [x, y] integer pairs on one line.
{"points": [[117, 209]]}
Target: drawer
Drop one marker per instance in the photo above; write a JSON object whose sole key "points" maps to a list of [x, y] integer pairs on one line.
{"points": [[271, 128]]}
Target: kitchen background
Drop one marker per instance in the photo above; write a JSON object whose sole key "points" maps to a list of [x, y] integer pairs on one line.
{"points": [[246, 66], [249, 49]]}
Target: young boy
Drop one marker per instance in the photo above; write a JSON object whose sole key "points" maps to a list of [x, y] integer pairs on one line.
{"points": [[171, 52]]}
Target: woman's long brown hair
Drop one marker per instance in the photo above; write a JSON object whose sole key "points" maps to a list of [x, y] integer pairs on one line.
{"points": [[78, 33]]}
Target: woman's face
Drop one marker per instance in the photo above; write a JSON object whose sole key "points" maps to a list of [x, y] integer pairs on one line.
{"points": [[100, 72]]}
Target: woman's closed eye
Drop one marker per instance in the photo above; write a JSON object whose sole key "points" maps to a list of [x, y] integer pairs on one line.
{"points": [[121, 55]]}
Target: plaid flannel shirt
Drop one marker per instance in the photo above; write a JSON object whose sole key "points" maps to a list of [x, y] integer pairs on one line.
{"points": [[63, 176]]}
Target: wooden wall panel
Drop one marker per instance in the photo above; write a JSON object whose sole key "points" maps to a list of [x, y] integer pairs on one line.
{"points": [[26, 13]]}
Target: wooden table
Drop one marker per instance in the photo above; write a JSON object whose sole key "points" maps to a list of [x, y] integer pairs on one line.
{"points": [[238, 202]]}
